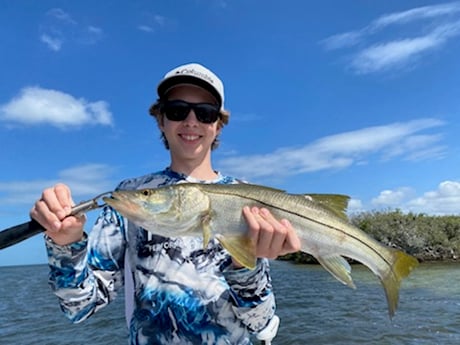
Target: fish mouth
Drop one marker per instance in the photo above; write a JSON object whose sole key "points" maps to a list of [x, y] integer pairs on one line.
{"points": [[121, 202], [115, 197]]}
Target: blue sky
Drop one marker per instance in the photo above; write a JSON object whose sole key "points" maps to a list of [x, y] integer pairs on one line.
{"points": [[352, 97]]}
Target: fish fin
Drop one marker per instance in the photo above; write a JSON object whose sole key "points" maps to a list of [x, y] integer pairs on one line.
{"points": [[335, 203], [241, 248], [207, 229], [401, 265], [338, 267]]}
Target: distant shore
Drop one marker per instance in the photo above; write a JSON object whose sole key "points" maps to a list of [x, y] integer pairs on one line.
{"points": [[428, 238]]}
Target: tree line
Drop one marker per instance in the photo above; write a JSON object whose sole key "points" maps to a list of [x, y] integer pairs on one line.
{"points": [[428, 238]]}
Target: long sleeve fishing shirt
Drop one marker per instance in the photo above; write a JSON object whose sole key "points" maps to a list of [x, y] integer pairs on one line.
{"points": [[176, 291]]}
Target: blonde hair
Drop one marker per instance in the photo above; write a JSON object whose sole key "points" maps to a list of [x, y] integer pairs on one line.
{"points": [[155, 111]]}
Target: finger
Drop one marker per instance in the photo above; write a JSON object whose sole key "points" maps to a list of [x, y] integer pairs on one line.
{"points": [[266, 214], [266, 232], [250, 215], [52, 202], [41, 213], [292, 243], [63, 196], [278, 243], [74, 222], [279, 234]]}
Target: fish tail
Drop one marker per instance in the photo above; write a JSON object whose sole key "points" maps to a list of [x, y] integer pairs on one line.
{"points": [[400, 266]]}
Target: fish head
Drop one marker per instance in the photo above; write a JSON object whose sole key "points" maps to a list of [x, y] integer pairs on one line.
{"points": [[139, 205], [168, 211]]}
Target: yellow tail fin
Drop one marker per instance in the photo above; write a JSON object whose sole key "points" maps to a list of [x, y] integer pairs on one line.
{"points": [[401, 266]]}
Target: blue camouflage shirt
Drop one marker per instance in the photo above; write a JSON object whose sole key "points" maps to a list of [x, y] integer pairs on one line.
{"points": [[176, 291]]}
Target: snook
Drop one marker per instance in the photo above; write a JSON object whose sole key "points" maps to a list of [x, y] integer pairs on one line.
{"points": [[216, 210]]}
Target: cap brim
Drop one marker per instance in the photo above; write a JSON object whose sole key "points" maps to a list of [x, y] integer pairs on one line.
{"points": [[167, 84]]}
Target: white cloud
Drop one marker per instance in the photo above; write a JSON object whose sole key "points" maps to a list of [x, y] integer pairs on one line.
{"points": [[155, 21], [393, 198], [419, 13], [35, 105], [160, 20], [61, 15], [396, 140], [146, 28], [58, 27], [445, 200], [355, 206], [346, 39], [390, 54], [88, 179], [442, 22], [399, 52], [53, 43], [91, 35], [85, 181]]}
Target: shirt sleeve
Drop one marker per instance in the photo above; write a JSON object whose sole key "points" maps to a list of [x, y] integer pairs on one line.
{"points": [[86, 275], [253, 295]]}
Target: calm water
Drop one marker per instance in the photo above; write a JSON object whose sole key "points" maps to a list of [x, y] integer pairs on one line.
{"points": [[313, 307]]}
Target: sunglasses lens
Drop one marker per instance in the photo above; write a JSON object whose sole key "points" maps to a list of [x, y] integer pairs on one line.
{"points": [[179, 110], [176, 111], [206, 113]]}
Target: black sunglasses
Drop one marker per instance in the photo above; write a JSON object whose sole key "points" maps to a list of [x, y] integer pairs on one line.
{"points": [[178, 110]]}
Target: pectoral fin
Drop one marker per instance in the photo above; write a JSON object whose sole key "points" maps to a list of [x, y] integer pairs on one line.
{"points": [[338, 267], [241, 248], [207, 229]]}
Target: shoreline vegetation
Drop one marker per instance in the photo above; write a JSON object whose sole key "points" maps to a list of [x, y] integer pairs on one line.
{"points": [[428, 238]]}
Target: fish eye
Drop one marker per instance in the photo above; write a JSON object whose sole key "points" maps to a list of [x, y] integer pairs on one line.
{"points": [[146, 192]]}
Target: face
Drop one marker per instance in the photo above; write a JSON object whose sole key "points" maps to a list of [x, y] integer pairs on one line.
{"points": [[190, 138]]}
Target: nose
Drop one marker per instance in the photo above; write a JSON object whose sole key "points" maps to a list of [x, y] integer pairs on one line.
{"points": [[191, 118]]}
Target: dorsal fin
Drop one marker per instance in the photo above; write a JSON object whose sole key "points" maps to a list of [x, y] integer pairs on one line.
{"points": [[335, 203]]}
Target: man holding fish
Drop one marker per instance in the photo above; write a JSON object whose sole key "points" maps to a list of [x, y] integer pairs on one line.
{"points": [[179, 289]]}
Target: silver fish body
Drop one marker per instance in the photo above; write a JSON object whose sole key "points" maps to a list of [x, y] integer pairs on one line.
{"points": [[216, 210]]}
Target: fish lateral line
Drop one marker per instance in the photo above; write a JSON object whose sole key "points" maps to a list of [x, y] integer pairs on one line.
{"points": [[239, 194]]}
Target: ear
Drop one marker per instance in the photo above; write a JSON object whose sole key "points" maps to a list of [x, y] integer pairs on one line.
{"points": [[161, 122], [219, 128]]}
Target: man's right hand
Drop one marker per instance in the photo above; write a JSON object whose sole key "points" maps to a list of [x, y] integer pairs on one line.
{"points": [[52, 212]]}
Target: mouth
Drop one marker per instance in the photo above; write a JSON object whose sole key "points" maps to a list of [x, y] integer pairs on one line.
{"points": [[116, 199], [122, 204], [111, 200], [190, 137]]}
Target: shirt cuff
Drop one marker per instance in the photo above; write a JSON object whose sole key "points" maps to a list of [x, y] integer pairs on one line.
{"points": [[70, 251]]}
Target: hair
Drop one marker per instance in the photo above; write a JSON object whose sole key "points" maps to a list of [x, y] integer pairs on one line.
{"points": [[155, 111]]}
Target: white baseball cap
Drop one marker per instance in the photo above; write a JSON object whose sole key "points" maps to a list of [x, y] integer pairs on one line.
{"points": [[194, 74]]}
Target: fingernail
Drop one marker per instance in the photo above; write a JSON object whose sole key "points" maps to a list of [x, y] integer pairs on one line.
{"points": [[285, 222], [56, 225], [264, 211]]}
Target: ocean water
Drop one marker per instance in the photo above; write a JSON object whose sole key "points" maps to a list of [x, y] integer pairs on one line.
{"points": [[314, 309]]}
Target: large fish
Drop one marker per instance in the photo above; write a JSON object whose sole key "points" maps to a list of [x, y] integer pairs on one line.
{"points": [[216, 210]]}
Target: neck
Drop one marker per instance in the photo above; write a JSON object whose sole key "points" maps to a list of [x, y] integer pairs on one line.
{"points": [[202, 171]]}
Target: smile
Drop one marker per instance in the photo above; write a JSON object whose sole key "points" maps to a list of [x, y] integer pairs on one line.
{"points": [[189, 137]]}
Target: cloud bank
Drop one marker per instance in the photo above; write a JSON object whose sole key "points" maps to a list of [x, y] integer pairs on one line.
{"points": [[35, 106], [376, 47], [411, 141], [444, 200], [85, 181]]}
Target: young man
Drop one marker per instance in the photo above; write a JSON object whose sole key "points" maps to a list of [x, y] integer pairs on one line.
{"points": [[176, 291]]}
